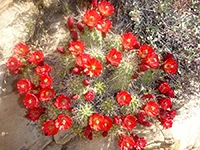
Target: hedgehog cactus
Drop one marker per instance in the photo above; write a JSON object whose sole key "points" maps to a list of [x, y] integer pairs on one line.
{"points": [[96, 74]]}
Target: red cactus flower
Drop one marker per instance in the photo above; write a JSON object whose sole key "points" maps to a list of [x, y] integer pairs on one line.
{"points": [[105, 8], [129, 122], [91, 18], [89, 96], [63, 122], [108, 124], [170, 66], [49, 127], [96, 122], [31, 100], [104, 25], [74, 36], [76, 48], [170, 93], [165, 103], [80, 27], [167, 123], [46, 81], [151, 109], [14, 64], [24, 85], [36, 57], [128, 41], [70, 24], [21, 49], [35, 113], [62, 102], [61, 50], [123, 98], [145, 50], [46, 94], [164, 87], [140, 143], [43, 70], [117, 120], [82, 59], [145, 96], [92, 67], [114, 57], [152, 60], [125, 142]]}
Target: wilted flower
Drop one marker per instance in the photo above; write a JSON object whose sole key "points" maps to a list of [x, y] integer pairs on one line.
{"points": [[35, 113], [170, 93], [91, 18], [86, 82], [129, 122], [92, 67], [89, 96], [143, 67], [61, 50], [145, 96], [63, 122], [21, 49], [76, 48], [104, 25], [31, 100], [105, 8], [24, 85], [14, 64], [46, 94], [123, 98], [62, 102], [36, 57], [49, 128], [114, 57]]}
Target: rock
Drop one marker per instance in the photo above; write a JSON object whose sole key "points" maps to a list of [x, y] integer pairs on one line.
{"points": [[17, 23], [53, 146], [16, 132], [100, 143], [64, 136]]}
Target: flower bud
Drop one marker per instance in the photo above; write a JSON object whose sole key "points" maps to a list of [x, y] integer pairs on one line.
{"points": [[76, 70], [74, 36], [80, 27], [117, 120], [86, 82], [69, 43], [75, 96], [105, 133], [135, 76], [70, 24], [61, 49], [90, 136], [94, 4], [87, 131]]}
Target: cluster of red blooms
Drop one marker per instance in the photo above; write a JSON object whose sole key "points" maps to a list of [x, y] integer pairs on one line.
{"points": [[36, 94], [42, 92]]}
